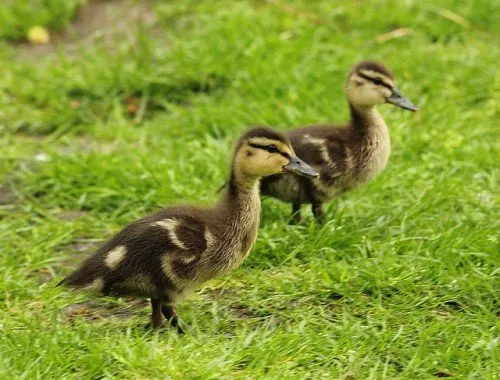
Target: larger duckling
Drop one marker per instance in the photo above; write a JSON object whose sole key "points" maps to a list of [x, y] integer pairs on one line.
{"points": [[166, 255], [345, 156]]}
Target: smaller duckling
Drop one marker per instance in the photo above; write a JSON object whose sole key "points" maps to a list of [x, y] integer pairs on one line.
{"points": [[168, 254], [347, 156]]}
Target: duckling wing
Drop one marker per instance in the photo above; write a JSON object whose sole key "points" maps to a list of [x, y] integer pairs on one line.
{"points": [[317, 145], [325, 148]]}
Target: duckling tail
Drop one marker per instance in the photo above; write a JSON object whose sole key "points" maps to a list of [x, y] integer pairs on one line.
{"points": [[87, 277]]}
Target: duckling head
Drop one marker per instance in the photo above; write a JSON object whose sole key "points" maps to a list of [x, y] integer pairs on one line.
{"points": [[263, 151], [371, 83]]}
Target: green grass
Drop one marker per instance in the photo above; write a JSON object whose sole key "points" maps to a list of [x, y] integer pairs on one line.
{"points": [[18, 16], [401, 282]]}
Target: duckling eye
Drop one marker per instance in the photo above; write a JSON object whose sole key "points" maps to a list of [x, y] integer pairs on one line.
{"points": [[271, 148], [377, 81]]}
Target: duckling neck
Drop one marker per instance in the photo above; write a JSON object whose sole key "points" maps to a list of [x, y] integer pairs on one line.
{"points": [[372, 137], [366, 119], [243, 193]]}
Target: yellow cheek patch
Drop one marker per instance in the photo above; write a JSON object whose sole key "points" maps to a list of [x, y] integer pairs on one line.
{"points": [[284, 161]]}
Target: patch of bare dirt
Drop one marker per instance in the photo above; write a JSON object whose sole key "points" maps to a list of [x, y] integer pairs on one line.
{"points": [[97, 19], [43, 275], [84, 246], [243, 311], [7, 195], [231, 296], [74, 253], [71, 214], [214, 293], [98, 309], [78, 249]]}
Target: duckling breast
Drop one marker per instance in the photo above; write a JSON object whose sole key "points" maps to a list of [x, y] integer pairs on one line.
{"points": [[372, 156]]}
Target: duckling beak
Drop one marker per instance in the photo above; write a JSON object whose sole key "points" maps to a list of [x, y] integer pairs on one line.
{"points": [[297, 166], [398, 99]]}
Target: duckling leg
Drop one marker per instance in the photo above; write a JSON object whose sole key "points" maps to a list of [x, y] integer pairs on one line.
{"points": [[296, 217], [170, 313], [156, 318], [318, 212]]}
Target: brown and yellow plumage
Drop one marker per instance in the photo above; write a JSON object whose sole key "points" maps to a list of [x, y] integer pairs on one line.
{"points": [[345, 156]]}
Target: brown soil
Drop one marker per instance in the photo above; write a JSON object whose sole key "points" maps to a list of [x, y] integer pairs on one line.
{"points": [[99, 309], [97, 19], [7, 195]]}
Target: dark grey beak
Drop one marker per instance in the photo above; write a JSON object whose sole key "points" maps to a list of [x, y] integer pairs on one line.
{"points": [[401, 101], [297, 166]]}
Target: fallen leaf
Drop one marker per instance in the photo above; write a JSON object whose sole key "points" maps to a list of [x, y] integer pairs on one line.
{"points": [[132, 108], [38, 35], [77, 309], [133, 105]]}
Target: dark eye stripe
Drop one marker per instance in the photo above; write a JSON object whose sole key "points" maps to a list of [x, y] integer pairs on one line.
{"points": [[373, 80], [269, 148], [257, 146]]}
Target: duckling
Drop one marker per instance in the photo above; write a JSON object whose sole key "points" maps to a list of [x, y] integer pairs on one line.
{"points": [[346, 157], [168, 254]]}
